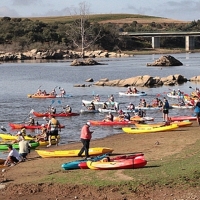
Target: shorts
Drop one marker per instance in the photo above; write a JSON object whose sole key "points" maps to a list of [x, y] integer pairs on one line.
{"points": [[23, 155], [198, 114], [14, 159], [53, 133], [165, 111]]}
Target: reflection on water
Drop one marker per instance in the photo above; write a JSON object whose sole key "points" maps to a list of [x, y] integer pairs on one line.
{"points": [[22, 78]]}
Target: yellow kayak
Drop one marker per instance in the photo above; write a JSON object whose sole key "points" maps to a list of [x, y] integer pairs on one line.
{"points": [[12, 137], [149, 129], [179, 123], [71, 153]]}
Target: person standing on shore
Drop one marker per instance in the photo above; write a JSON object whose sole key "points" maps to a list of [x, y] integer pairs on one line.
{"points": [[86, 136], [197, 111], [165, 110]]}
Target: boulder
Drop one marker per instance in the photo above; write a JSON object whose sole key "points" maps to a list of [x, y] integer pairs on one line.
{"points": [[195, 78], [89, 80], [86, 62], [166, 61]]}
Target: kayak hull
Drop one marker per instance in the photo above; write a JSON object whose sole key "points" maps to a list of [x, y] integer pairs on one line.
{"points": [[19, 126], [40, 96], [182, 118], [38, 114], [134, 130], [86, 102], [110, 123], [73, 153], [16, 145], [132, 94]]}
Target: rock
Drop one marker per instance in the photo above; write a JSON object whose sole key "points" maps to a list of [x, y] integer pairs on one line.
{"points": [[89, 80], [195, 78], [166, 61], [88, 61]]}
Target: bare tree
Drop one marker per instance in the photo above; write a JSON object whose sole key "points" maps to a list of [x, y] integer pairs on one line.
{"points": [[81, 31]]}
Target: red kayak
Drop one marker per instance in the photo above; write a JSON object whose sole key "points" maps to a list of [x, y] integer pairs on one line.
{"points": [[110, 123], [182, 118], [38, 114], [19, 126]]}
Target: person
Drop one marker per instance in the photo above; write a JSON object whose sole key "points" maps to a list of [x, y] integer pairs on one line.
{"points": [[53, 110], [91, 106], [155, 102], [86, 136], [165, 110], [67, 109], [23, 131], [173, 92], [54, 126], [135, 91], [13, 156], [109, 117], [43, 136], [121, 114], [144, 103], [111, 98], [62, 92], [181, 102], [24, 148], [44, 93], [96, 98], [180, 94], [31, 121], [19, 137], [160, 103], [141, 113], [131, 107], [197, 111], [53, 92], [129, 91], [127, 117], [39, 92]]}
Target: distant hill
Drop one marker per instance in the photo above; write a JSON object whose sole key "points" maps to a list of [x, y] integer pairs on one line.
{"points": [[113, 18]]}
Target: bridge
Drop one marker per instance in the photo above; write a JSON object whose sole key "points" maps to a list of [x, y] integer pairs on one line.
{"points": [[189, 37]]}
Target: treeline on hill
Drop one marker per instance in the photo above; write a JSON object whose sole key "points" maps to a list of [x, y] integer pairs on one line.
{"points": [[24, 34]]}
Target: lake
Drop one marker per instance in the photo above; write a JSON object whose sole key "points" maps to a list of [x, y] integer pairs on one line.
{"points": [[21, 78]]}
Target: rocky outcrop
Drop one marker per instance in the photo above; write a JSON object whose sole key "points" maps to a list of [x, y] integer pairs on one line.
{"points": [[166, 61], [143, 81], [195, 78], [88, 61]]}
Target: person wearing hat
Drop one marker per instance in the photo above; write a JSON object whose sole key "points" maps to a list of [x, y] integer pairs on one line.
{"points": [[86, 136], [67, 109]]}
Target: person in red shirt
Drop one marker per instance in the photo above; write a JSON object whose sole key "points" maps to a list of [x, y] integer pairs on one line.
{"points": [[86, 136]]}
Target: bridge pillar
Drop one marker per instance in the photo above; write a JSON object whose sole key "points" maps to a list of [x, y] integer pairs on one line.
{"points": [[155, 42], [189, 43]]}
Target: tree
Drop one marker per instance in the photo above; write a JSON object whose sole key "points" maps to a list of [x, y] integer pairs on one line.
{"points": [[83, 33]]}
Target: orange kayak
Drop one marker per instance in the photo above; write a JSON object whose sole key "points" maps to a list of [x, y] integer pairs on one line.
{"points": [[41, 96], [38, 114]]}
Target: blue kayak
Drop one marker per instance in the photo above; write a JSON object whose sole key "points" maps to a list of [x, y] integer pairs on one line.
{"points": [[75, 164]]}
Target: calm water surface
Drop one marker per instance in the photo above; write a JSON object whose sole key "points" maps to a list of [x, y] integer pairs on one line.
{"points": [[22, 78]]}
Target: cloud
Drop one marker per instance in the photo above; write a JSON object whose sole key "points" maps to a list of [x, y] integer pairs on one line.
{"points": [[6, 12]]}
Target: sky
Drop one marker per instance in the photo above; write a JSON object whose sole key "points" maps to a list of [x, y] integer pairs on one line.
{"points": [[187, 10]]}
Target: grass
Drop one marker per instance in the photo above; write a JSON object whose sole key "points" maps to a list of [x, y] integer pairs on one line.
{"points": [[178, 170]]}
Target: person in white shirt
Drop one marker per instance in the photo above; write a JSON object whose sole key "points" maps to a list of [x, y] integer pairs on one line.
{"points": [[13, 157]]}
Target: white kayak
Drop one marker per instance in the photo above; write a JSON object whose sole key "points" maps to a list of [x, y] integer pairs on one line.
{"points": [[84, 111], [132, 94], [63, 96], [181, 107], [86, 102], [148, 108], [175, 96], [101, 110]]}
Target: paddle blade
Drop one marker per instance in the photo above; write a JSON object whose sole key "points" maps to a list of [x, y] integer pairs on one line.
{"points": [[59, 101], [31, 111]]}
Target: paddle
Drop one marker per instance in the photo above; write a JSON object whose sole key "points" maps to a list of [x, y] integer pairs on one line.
{"points": [[31, 112], [4, 130]]}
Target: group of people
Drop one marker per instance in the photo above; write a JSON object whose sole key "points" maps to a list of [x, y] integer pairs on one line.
{"points": [[52, 93], [132, 90]]}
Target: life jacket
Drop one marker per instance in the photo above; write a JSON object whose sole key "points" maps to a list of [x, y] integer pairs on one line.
{"points": [[54, 123]]}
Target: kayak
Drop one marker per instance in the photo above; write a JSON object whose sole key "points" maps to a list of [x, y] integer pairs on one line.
{"points": [[181, 107], [182, 118], [38, 114], [85, 111], [41, 96], [19, 126], [179, 123], [75, 164], [136, 162], [86, 102], [149, 129], [16, 145], [136, 118], [72, 153], [14, 137], [110, 123], [101, 110], [83, 165], [148, 108], [132, 94], [63, 96], [176, 96]]}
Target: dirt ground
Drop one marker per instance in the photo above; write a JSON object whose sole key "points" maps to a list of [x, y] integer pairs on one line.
{"points": [[23, 180]]}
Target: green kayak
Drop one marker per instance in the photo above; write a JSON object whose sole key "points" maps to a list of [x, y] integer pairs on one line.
{"points": [[16, 145]]}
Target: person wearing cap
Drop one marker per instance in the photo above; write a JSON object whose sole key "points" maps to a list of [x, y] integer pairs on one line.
{"points": [[13, 156], [43, 136], [54, 126], [67, 109], [86, 136]]}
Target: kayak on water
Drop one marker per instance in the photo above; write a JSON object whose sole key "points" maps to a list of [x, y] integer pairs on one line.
{"points": [[132, 94], [46, 114], [19, 126], [182, 106], [86, 102], [41, 96], [110, 123], [84, 111], [102, 110], [181, 118]]}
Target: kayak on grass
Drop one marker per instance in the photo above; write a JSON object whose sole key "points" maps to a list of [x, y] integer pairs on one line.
{"points": [[138, 94], [73, 153], [149, 129], [136, 162], [46, 114], [19, 126]]}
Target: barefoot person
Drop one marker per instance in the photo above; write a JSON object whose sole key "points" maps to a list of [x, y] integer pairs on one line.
{"points": [[197, 111]]}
